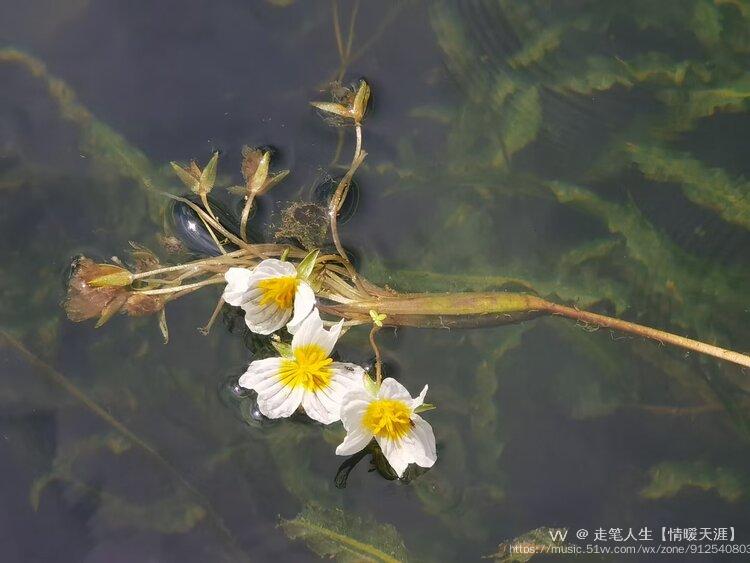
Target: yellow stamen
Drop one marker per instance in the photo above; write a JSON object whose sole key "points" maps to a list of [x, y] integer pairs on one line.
{"points": [[279, 290], [308, 369], [388, 418]]}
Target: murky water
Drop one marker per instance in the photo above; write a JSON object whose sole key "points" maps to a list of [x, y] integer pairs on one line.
{"points": [[594, 152]]}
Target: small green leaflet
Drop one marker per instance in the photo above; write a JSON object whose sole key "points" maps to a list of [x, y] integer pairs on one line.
{"points": [[305, 267]]}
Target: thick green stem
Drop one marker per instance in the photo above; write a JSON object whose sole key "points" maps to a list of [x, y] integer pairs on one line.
{"points": [[466, 310], [447, 310]]}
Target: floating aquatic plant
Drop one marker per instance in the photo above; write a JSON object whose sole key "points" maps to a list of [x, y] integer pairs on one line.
{"points": [[281, 285], [630, 268]]}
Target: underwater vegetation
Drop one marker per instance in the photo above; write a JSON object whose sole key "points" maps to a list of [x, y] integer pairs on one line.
{"points": [[519, 142]]}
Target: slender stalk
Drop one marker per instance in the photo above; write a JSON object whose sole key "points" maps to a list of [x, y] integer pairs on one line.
{"points": [[337, 30], [648, 332], [358, 147], [245, 215], [333, 211], [211, 231], [350, 37], [196, 285], [193, 264], [204, 199], [378, 361], [206, 329], [208, 219]]}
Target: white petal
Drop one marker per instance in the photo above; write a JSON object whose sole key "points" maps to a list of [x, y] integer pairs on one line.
{"points": [[424, 451], [304, 302], [264, 319], [260, 372], [418, 446], [280, 403], [354, 442], [273, 268], [237, 275], [275, 400], [349, 376], [311, 331], [320, 407], [419, 401], [335, 331], [238, 284], [392, 389], [396, 453], [324, 405], [353, 407]]}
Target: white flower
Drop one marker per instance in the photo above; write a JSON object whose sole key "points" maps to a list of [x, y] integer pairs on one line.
{"points": [[388, 415], [310, 378], [268, 294]]}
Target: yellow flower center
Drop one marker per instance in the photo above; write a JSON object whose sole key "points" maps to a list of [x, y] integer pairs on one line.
{"points": [[309, 369], [279, 290], [388, 418]]}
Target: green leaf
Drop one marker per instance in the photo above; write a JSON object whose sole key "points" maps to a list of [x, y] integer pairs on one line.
{"points": [[274, 179], [370, 385], [522, 120], [187, 178], [334, 533], [688, 105], [305, 268], [424, 407], [708, 187], [66, 458], [284, 349], [120, 278], [669, 478], [360, 100], [330, 107], [208, 176], [534, 542], [258, 181]]}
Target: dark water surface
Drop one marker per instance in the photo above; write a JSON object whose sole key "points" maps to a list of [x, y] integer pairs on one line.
{"points": [[595, 152]]}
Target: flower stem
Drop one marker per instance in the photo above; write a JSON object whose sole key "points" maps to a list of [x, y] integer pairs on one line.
{"points": [[192, 264], [648, 332], [179, 288], [333, 211], [378, 361], [245, 215], [206, 329]]}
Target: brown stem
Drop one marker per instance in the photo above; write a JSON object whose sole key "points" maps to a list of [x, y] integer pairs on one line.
{"points": [[181, 288], [204, 199], [246, 215], [378, 361], [648, 332], [206, 329], [333, 211], [208, 219]]}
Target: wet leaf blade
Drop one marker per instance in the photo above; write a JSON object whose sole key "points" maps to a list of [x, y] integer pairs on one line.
{"points": [[336, 534]]}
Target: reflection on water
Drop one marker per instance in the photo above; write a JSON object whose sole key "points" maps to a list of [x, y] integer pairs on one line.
{"points": [[593, 151]]}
